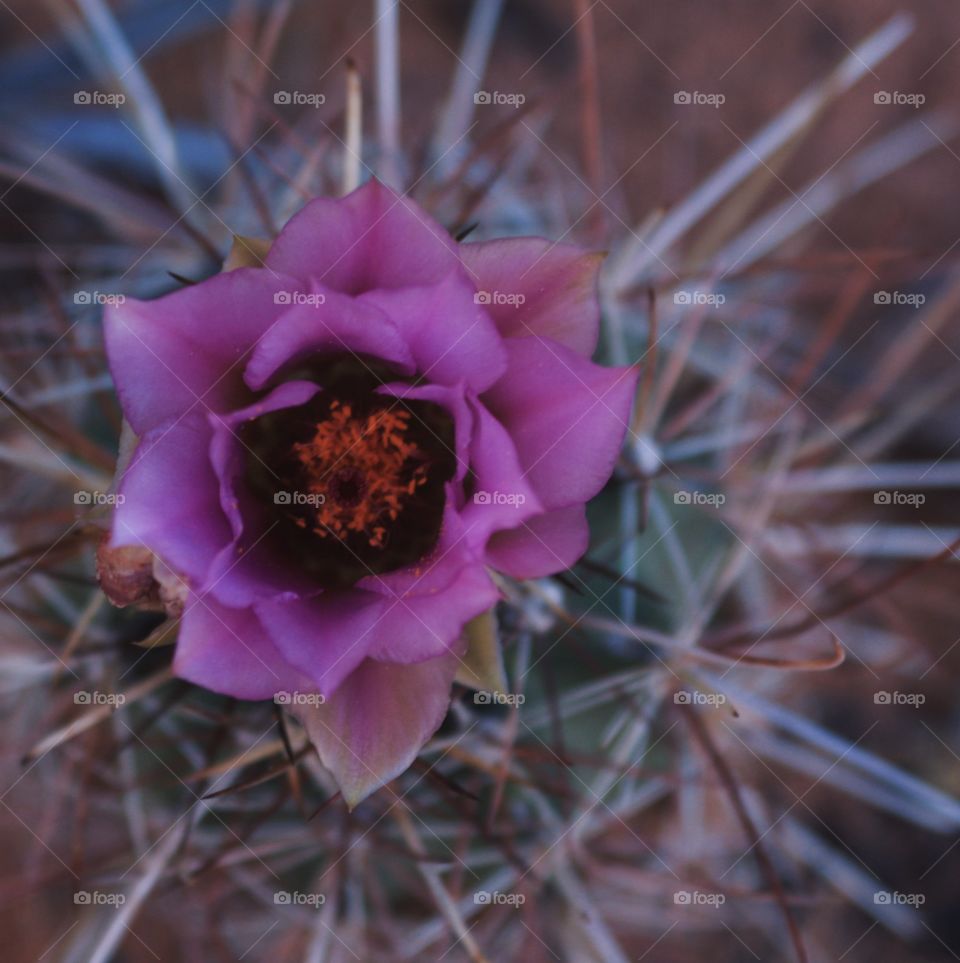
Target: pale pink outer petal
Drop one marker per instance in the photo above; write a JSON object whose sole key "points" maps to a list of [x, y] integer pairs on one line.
{"points": [[372, 728], [557, 282]]}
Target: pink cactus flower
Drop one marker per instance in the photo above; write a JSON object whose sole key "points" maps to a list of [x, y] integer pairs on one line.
{"points": [[336, 448]]}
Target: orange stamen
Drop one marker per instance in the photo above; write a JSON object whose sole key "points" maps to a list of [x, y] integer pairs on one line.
{"points": [[368, 453]]}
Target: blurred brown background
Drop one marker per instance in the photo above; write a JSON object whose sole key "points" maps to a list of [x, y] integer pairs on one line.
{"points": [[760, 56]]}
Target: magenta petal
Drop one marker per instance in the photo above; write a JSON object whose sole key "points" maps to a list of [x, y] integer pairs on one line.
{"points": [[250, 568], [185, 352], [228, 454], [502, 496], [557, 282], [338, 325], [227, 650], [171, 498], [372, 238], [327, 636], [451, 336], [372, 728], [436, 571], [566, 415], [419, 627], [456, 405], [541, 546]]}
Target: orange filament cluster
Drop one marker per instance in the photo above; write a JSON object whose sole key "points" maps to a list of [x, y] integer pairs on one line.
{"points": [[364, 467]]}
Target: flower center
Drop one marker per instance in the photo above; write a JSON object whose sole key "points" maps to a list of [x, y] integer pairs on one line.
{"points": [[362, 468], [354, 484]]}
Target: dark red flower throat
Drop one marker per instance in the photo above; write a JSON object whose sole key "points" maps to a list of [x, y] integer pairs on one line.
{"points": [[352, 481]]}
